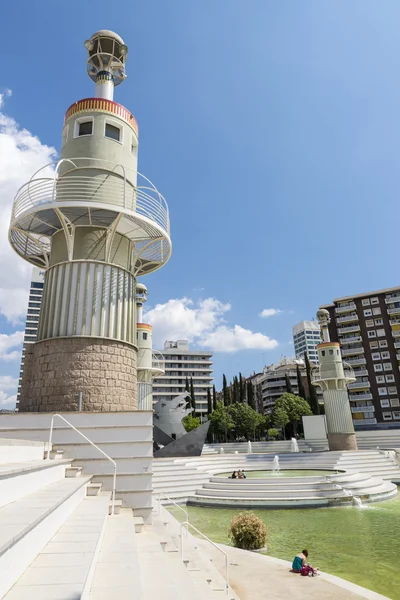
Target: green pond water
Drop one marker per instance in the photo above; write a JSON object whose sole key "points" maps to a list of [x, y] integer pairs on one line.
{"points": [[360, 545], [283, 473]]}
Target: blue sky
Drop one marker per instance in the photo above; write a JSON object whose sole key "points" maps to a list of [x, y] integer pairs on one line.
{"points": [[272, 128]]}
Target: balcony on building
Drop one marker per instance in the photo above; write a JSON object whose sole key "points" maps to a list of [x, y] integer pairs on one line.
{"points": [[349, 329], [343, 308], [347, 319], [364, 421], [350, 340], [360, 372], [357, 397], [395, 310], [353, 350], [359, 385], [395, 321], [392, 298], [357, 361], [363, 409]]}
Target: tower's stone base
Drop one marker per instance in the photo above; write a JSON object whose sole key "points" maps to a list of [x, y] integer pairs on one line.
{"points": [[56, 370], [342, 441]]}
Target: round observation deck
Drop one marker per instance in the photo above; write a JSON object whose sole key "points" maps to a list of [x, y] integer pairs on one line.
{"points": [[51, 202]]}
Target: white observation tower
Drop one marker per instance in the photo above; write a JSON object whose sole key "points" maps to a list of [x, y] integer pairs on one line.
{"points": [[94, 224], [333, 376]]}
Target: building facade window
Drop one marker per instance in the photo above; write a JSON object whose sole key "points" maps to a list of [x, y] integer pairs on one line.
{"points": [[365, 302], [383, 344], [367, 312], [378, 368], [387, 367], [382, 391], [380, 332], [387, 416], [369, 323], [376, 356], [376, 311], [385, 404], [371, 333], [375, 300]]}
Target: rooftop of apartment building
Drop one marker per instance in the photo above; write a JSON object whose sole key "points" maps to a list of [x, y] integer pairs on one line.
{"points": [[364, 294]]}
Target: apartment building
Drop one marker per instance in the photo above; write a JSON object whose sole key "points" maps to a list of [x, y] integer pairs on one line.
{"points": [[182, 363], [306, 337], [368, 329], [32, 317], [273, 383]]}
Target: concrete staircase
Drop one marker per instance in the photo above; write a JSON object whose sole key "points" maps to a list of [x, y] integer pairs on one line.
{"points": [[51, 526], [257, 447], [126, 437]]}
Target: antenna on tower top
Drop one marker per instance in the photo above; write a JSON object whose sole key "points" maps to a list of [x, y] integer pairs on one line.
{"points": [[106, 62]]}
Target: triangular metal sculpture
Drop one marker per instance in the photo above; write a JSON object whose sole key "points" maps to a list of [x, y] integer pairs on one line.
{"points": [[190, 444]]}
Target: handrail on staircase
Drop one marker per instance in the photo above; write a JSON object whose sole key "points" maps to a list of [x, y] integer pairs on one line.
{"points": [[94, 445], [175, 504], [215, 546]]}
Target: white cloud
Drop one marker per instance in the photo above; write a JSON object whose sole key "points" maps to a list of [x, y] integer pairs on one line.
{"points": [[8, 385], [202, 323], [8, 342], [269, 312], [231, 339], [21, 155]]}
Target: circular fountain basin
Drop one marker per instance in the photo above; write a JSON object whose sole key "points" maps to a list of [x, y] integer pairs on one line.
{"points": [[292, 488], [283, 473]]}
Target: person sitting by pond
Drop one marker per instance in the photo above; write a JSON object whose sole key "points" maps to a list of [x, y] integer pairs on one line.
{"points": [[234, 475], [244, 474], [300, 564], [241, 475]]}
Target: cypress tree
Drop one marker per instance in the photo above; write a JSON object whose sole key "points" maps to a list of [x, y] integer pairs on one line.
{"points": [[187, 388], [225, 391], [214, 398], [235, 390], [250, 395], [289, 388], [300, 384], [209, 402], [312, 392], [242, 389]]}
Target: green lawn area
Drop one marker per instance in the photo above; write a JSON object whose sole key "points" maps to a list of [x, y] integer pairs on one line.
{"points": [[362, 546]]}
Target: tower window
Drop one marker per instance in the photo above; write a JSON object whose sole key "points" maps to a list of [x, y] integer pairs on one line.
{"points": [[145, 336], [112, 132], [85, 128]]}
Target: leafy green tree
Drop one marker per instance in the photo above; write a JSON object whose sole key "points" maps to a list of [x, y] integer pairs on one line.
{"points": [[289, 388], [312, 392], [250, 395], [214, 398], [221, 421], [192, 397], [209, 402], [242, 389], [273, 433], [225, 392], [189, 422], [293, 407], [280, 418], [300, 384], [245, 419]]}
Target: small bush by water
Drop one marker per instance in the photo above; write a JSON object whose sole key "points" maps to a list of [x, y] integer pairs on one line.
{"points": [[247, 531]]}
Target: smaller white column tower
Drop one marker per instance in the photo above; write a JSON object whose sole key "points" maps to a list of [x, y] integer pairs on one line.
{"points": [[333, 377], [150, 363]]}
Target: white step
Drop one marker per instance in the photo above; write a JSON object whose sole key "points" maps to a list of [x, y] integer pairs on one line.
{"points": [[19, 479], [64, 568], [28, 524], [117, 573], [20, 450]]}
